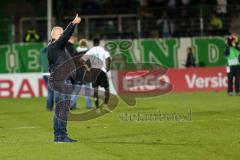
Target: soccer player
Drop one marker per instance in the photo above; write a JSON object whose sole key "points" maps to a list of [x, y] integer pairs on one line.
{"points": [[100, 64], [57, 56]]}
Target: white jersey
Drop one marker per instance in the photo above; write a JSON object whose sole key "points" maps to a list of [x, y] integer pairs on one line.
{"points": [[97, 56]]}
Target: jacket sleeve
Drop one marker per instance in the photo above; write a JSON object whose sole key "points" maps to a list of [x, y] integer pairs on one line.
{"points": [[62, 41], [226, 51]]}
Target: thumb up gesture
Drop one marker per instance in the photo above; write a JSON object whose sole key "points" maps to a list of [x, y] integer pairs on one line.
{"points": [[76, 20]]}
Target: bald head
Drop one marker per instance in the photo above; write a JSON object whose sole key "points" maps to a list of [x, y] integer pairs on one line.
{"points": [[56, 32]]}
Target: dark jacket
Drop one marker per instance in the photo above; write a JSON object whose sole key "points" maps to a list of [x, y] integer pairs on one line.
{"points": [[71, 53], [56, 49], [70, 49], [80, 72], [190, 62]]}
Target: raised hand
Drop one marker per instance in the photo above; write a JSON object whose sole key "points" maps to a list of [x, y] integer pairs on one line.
{"points": [[77, 19]]}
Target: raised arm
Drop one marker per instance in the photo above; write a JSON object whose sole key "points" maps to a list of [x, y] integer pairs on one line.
{"points": [[68, 31]]}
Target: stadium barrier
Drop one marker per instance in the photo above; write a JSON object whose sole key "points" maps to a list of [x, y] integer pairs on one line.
{"points": [[22, 58], [22, 85]]}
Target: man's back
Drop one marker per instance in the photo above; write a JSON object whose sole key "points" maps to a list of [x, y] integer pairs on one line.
{"points": [[97, 56]]}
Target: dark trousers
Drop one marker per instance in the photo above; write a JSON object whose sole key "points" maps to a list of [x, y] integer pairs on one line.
{"points": [[233, 76], [60, 116], [62, 102], [50, 94]]}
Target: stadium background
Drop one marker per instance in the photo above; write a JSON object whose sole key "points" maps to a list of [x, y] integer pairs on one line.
{"points": [[213, 130], [160, 32]]}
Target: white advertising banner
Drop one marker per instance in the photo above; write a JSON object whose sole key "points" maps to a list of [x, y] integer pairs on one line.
{"points": [[22, 85]]}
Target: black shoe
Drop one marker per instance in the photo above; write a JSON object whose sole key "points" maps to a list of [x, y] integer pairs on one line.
{"points": [[72, 140], [56, 140], [64, 140]]}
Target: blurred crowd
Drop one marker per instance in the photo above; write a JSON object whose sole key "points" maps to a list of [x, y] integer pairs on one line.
{"points": [[110, 6], [149, 18], [159, 18]]}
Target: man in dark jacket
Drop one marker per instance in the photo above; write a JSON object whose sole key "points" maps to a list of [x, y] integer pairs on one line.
{"points": [[190, 62], [57, 56]]}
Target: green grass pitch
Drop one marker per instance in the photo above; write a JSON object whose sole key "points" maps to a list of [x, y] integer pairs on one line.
{"points": [[213, 133]]}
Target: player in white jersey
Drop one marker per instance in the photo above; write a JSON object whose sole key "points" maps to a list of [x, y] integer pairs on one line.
{"points": [[100, 64]]}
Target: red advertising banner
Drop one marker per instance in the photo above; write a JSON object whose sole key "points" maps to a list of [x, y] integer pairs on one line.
{"points": [[143, 82], [198, 79], [181, 80]]}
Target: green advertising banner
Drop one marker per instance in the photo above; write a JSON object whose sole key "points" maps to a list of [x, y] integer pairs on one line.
{"points": [[172, 52], [20, 58]]}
